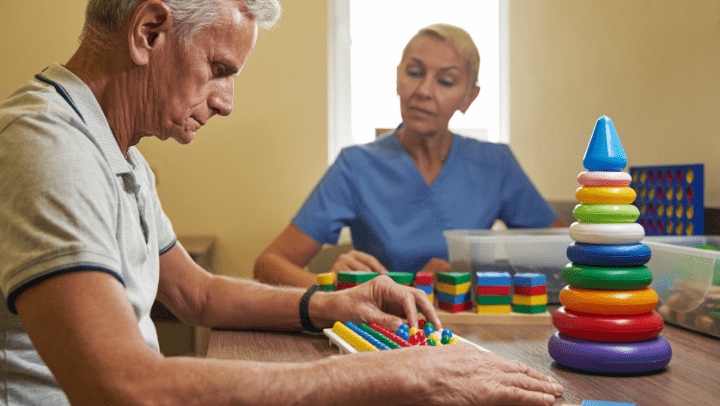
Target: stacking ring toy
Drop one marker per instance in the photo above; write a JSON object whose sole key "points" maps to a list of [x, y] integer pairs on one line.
{"points": [[624, 255], [605, 195], [609, 302], [606, 213], [590, 277], [598, 178], [618, 329], [614, 358], [592, 233]]}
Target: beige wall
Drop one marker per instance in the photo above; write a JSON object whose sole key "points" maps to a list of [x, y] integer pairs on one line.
{"points": [[653, 66], [650, 65]]}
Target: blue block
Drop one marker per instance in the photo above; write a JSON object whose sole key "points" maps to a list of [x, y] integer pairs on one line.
{"points": [[493, 279], [453, 299], [426, 288], [604, 403], [529, 279]]}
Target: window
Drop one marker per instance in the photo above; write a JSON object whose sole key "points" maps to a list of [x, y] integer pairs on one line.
{"points": [[366, 39]]}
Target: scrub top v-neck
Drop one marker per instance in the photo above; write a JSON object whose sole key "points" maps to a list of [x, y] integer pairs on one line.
{"points": [[394, 214]]}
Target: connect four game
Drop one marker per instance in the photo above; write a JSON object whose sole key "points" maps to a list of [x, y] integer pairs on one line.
{"points": [[670, 198]]}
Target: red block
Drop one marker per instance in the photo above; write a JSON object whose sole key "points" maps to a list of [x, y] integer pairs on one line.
{"points": [[493, 290], [345, 285], [455, 308], [530, 290], [423, 278]]}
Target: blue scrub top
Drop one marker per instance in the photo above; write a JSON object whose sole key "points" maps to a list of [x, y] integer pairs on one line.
{"points": [[394, 215]]}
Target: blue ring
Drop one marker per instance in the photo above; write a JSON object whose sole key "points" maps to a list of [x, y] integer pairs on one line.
{"points": [[625, 255]]}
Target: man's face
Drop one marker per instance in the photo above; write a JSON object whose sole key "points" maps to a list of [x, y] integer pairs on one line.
{"points": [[189, 84]]}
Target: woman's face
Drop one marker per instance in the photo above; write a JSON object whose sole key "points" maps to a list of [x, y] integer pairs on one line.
{"points": [[432, 82]]}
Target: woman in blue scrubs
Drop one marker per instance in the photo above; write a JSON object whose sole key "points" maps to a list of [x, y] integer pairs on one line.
{"points": [[399, 193]]}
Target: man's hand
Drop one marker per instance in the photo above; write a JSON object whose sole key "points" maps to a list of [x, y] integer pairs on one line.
{"points": [[460, 374], [381, 300], [357, 261]]}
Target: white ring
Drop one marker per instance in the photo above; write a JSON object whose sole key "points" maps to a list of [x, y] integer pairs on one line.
{"points": [[614, 233], [598, 178]]}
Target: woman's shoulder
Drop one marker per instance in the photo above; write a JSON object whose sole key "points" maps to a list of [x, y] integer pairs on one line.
{"points": [[482, 152], [384, 147]]}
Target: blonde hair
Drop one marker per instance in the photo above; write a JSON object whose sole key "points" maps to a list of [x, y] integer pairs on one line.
{"points": [[460, 40]]}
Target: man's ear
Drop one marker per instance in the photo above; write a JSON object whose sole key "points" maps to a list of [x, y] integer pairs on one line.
{"points": [[148, 29]]}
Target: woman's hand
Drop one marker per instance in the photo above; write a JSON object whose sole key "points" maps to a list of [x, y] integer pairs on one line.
{"points": [[357, 261]]}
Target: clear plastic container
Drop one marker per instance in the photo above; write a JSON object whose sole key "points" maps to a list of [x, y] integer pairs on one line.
{"points": [[515, 250]]}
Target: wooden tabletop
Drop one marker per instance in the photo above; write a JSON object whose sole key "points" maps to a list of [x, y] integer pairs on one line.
{"points": [[691, 378]]}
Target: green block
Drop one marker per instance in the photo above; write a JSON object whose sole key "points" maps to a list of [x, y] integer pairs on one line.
{"points": [[454, 278], [328, 288], [529, 309], [355, 276], [403, 278], [494, 299]]}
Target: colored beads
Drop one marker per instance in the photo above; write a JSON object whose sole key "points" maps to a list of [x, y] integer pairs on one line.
{"points": [[367, 336], [352, 338]]}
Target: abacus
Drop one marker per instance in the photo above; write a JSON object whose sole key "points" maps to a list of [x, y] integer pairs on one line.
{"points": [[351, 338]]}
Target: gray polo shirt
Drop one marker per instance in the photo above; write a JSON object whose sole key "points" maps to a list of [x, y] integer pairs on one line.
{"points": [[69, 201]]}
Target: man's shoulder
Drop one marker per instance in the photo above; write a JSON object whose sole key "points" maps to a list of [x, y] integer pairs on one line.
{"points": [[37, 102]]}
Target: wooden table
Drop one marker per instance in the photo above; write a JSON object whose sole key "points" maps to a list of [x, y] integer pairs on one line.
{"points": [[691, 378]]}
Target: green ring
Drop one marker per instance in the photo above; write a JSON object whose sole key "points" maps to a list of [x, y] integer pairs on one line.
{"points": [[606, 213], [595, 277]]}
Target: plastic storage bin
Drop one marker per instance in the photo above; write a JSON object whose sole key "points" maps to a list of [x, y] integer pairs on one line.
{"points": [[515, 250], [687, 281]]}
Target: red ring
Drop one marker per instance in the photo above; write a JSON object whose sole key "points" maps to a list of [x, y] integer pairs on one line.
{"points": [[601, 328]]}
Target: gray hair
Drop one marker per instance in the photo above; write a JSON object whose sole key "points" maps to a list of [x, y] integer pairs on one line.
{"points": [[189, 16]]}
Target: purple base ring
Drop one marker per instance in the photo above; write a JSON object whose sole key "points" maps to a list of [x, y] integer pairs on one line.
{"points": [[616, 358]]}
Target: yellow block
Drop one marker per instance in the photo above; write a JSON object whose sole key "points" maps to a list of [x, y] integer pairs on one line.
{"points": [[326, 278], [431, 298], [452, 289], [530, 300], [494, 309]]}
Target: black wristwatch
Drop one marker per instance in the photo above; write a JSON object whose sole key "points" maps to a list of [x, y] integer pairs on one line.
{"points": [[304, 313]]}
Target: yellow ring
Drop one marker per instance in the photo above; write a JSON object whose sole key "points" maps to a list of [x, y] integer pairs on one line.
{"points": [[609, 302], [605, 195]]}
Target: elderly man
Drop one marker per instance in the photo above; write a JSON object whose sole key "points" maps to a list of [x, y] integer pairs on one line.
{"points": [[86, 247]]}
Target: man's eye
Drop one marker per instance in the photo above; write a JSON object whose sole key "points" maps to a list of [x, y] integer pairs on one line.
{"points": [[218, 70]]}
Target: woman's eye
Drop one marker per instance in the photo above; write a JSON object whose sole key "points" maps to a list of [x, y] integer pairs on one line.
{"points": [[446, 83]]}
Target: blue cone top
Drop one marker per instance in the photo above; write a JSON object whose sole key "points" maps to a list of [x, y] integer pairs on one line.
{"points": [[604, 152]]}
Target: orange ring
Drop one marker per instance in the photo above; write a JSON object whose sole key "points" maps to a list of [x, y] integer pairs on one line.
{"points": [[609, 302], [606, 195]]}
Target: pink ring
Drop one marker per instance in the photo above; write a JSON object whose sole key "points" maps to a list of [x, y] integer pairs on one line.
{"points": [[598, 178]]}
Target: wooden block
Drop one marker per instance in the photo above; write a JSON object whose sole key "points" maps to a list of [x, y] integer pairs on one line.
{"points": [[454, 278], [529, 300], [493, 309], [452, 289]]}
